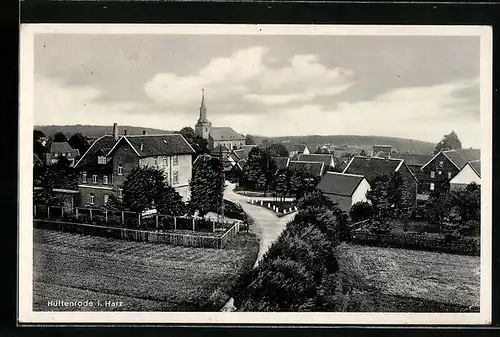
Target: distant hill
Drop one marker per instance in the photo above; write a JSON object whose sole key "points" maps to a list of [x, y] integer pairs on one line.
{"points": [[94, 131], [362, 142]]}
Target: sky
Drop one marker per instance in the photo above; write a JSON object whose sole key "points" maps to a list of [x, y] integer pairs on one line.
{"points": [[418, 87]]}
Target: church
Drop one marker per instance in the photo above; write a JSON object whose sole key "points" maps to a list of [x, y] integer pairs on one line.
{"points": [[216, 136]]}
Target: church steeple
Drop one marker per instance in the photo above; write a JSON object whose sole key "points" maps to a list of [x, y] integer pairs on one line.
{"points": [[203, 126], [203, 108]]}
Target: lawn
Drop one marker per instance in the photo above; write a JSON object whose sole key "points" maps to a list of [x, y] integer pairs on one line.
{"points": [[144, 276], [434, 279]]}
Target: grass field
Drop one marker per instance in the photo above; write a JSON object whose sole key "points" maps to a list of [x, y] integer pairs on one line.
{"points": [[143, 276], [453, 280]]}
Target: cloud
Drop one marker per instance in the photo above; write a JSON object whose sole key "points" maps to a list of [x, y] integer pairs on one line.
{"points": [[247, 75]]}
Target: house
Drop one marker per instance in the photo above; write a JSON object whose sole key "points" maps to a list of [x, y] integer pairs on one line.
{"points": [[415, 161], [325, 158], [315, 168], [373, 167], [282, 162], [61, 149], [382, 150], [345, 151], [344, 189], [104, 167], [470, 173], [243, 152], [442, 167], [295, 149], [215, 136]]}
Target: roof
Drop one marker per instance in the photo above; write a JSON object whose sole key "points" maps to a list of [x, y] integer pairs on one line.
{"points": [[244, 151], [300, 147], [282, 162], [371, 167], [96, 148], [157, 145], [460, 157], [63, 147], [225, 133], [415, 159], [220, 148], [339, 183], [341, 165], [325, 158], [382, 147], [476, 166], [315, 168], [290, 147]]}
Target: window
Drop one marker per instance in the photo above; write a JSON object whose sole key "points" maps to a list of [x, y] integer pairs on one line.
{"points": [[175, 160], [94, 178], [92, 199], [432, 187], [105, 180], [449, 175], [433, 174], [175, 177], [63, 154], [441, 163], [101, 160], [106, 197], [84, 177], [56, 155], [120, 170], [120, 193]]}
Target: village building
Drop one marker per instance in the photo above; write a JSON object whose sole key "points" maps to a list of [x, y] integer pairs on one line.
{"points": [[442, 167], [104, 167], [325, 158], [470, 173], [373, 167], [295, 149], [415, 161], [61, 149], [216, 136], [344, 189], [317, 169]]}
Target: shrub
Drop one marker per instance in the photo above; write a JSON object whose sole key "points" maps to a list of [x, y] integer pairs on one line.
{"points": [[361, 211]]}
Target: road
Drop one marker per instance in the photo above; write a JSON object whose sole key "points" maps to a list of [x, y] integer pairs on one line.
{"points": [[268, 226]]}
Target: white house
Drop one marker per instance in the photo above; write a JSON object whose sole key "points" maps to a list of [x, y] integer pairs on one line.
{"points": [[344, 189], [470, 173]]}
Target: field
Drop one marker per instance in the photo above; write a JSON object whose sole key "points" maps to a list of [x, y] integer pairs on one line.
{"points": [[431, 279], [143, 276]]}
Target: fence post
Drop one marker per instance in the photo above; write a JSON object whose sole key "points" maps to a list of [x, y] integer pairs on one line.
{"points": [[156, 221], [62, 211], [106, 215], [213, 226], [123, 218], [194, 228], [139, 219], [76, 213], [175, 223], [90, 214], [48, 212]]}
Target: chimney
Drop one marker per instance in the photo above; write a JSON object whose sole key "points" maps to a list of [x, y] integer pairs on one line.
{"points": [[144, 132], [115, 131], [124, 132]]}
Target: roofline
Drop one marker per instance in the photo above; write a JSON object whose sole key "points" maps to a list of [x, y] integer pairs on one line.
{"points": [[430, 160], [355, 188], [307, 161], [95, 141], [444, 153], [118, 141], [472, 167], [347, 174], [348, 164], [404, 163]]}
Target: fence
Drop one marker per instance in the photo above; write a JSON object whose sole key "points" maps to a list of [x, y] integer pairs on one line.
{"points": [[463, 246], [127, 219], [174, 239]]}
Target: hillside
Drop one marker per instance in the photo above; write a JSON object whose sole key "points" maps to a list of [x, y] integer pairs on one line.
{"points": [[363, 142], [93, 131]]}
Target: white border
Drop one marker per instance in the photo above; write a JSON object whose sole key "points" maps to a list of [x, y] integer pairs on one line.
{"points": [[27, 315]]}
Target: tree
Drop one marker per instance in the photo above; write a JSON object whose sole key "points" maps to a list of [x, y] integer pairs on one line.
{"points": [[449, 142], [59, 175], [452, 224], [79, 142], [199, 144], [277, 150], [379, 197], [171, 202], [60, 137], [207, 186], [188, 133], [143, 188], [249, 140], [114, 203], [361, 211], [302, 182], [259, 170], [439, 203], [281, 184], [37, 134], [363, 153]]}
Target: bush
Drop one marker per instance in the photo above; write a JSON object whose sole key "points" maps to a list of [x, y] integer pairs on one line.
{"points": [[361, 211]]}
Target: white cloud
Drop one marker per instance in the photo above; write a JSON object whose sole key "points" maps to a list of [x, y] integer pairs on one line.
{"points": [[247, 75]]}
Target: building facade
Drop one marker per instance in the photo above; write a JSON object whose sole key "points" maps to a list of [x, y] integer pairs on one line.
{"points": [[344, 189], [470, 173], [58, 150]]}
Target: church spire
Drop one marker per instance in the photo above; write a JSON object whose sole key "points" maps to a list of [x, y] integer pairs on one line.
{"points": [[203, 108]]}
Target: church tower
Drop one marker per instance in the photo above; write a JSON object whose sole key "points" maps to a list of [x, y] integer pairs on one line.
{"points": [[203, 126]]}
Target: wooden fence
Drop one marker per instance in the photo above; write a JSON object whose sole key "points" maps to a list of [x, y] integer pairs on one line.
{"points": [[174, 239]]}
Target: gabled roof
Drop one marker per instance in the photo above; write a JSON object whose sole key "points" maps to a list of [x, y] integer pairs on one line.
{"points": [[156, 145], [460, 157], [63, 147], [244, 151], [415, 159], [476, 166], [95, 149], [225, 133], [325, 158], [315, 168], [339, 183], [282, 162], [371, 167]]}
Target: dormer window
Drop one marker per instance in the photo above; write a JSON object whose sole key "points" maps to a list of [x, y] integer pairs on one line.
{"points": [[101, 160]]}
